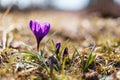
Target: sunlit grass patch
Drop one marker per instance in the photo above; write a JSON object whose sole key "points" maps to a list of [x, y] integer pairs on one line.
{"points": [[28, 63]]}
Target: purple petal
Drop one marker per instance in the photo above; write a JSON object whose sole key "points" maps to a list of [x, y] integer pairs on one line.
{"points": [[31, 25], [37, 26], [45, 28]]}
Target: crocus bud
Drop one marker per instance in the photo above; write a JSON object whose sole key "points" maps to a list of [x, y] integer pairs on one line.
{"points": [[40, 30], [58, 45], [51, 61], [65, 53]]}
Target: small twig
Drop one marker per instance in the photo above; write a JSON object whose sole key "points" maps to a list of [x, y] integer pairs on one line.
{"points": [[4, 38], [10, 38], [6, 12], [6, 33]]}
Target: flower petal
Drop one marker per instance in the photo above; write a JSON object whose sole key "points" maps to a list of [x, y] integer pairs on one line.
{"points": [[31, 25], [45, 28], [37, 26]]}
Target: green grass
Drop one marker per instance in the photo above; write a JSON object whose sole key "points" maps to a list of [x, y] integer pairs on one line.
{"points": [[25, 64]]}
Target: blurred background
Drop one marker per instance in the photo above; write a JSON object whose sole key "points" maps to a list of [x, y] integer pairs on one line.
{"points": [[105, 7], [78, 20]]}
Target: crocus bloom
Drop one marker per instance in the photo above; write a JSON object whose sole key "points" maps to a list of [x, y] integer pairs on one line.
{"points": [[58, 45], [40, 30]]}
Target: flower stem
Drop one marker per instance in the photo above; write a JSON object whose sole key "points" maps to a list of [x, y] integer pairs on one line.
{"points": [[38, 47]]}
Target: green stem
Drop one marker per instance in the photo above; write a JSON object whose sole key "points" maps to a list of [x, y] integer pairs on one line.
{"points": [[63, 65], [51, 71]]}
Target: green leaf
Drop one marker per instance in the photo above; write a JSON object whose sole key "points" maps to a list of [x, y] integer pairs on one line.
{"points": [[91, 59], [82, 60], [50, 37]]}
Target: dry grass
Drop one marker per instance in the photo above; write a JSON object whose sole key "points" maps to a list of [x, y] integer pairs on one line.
{"points": [[16, 40]]}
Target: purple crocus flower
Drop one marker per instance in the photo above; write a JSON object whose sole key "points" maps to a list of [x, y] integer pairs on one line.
{"points": [[58, 45], [40, 30]]}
